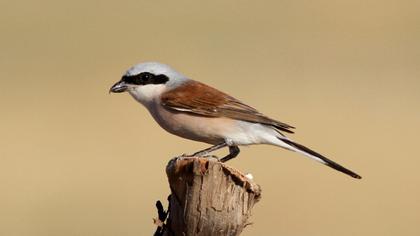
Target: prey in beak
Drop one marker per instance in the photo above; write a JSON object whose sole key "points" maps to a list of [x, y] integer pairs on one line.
{"points": [[119, 87]]}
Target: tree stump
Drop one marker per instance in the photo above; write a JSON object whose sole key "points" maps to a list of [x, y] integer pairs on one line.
{"points": [[207, 198]]}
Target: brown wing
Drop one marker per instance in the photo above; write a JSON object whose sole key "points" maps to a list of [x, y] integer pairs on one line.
{"points": [[200, 99]]}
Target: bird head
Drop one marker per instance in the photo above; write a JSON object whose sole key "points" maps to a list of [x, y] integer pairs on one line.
{"points": [[147, 81]]}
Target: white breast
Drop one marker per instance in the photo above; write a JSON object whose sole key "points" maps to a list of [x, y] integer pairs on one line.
{"points": [[210, 130]]}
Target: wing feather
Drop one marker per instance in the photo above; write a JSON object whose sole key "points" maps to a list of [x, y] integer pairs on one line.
{"points": [[200, 99]]}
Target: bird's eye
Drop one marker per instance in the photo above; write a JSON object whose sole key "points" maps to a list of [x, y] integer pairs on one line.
{"points": [[146, 77], [137, 80]]}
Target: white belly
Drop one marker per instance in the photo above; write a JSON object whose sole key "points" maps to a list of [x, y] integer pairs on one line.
{"points": [[212, 130]]}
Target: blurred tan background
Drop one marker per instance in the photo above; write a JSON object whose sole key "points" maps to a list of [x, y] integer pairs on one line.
{"points": [[75, 160]]}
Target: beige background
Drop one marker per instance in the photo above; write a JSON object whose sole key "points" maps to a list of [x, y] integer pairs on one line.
{"points": [[75, 160]]}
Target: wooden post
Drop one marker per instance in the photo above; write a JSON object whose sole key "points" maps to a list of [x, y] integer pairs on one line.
{"points": [[207, 198]]}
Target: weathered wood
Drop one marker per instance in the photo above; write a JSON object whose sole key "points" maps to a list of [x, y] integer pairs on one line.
{"points": [[208, 198]]}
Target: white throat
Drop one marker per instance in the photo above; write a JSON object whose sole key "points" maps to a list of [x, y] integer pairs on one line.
{"points": [[147, 94]]}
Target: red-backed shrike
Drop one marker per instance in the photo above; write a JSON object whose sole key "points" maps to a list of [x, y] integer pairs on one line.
{"points": [[196, 111]]}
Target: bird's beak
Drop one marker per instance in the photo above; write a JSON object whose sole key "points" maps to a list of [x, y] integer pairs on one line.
{"points": [[119, 87]]}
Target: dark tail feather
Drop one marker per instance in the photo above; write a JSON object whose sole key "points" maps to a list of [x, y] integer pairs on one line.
{"points": [[327, 161]]}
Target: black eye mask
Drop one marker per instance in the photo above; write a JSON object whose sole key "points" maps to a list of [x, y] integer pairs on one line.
{"points": [[145, 78]]}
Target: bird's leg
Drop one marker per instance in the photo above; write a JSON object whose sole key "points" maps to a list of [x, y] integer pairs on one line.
{"points": [[233, 152], [210, 149]]}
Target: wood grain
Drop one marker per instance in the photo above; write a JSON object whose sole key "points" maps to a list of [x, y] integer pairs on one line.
{"points": [[208, 197]]}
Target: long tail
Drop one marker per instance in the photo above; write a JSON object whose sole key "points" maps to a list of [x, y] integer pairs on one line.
{"points": [[316, 156]]}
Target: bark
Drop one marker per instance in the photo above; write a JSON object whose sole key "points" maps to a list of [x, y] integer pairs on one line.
{"points": [[208, 198]]}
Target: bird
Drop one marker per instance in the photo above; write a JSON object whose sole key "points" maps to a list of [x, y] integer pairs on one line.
{"points": [[193, 110]]}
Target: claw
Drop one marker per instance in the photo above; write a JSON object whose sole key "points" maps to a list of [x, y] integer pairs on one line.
{"points": [[211, 157]]}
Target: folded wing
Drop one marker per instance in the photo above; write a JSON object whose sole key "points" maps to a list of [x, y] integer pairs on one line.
{"points": [[199, 99]]}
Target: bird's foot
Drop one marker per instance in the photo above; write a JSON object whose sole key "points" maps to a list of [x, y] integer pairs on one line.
{"points": [[205, 155], [212, 157], [197, 154]]}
